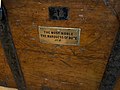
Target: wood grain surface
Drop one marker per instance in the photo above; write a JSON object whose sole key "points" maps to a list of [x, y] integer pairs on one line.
{"points": [[5, 88], [60, 67], [6, 78]]}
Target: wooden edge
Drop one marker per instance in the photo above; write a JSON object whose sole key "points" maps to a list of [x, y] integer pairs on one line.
{"points": [[5, 88]]}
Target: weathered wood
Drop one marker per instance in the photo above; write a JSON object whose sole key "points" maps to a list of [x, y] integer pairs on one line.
{"points": [[60, 67], [6, 77], [113, 67], [10, 50], [112, 71], [117, 86]]}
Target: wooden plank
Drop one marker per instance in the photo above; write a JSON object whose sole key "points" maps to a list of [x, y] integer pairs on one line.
{"points": [[57, 66]]}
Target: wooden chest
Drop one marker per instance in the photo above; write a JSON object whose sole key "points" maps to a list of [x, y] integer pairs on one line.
{"points": [[58, 66]]}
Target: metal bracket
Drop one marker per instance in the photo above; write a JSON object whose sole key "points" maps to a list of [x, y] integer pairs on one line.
{"points": [[58, 13]]}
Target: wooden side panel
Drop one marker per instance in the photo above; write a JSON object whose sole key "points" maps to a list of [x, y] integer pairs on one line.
{"points": [[2, 67], [6, 77], [60, 67]]}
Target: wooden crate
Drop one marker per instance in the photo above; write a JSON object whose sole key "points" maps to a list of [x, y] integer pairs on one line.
{"points": [[62, 67]]}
